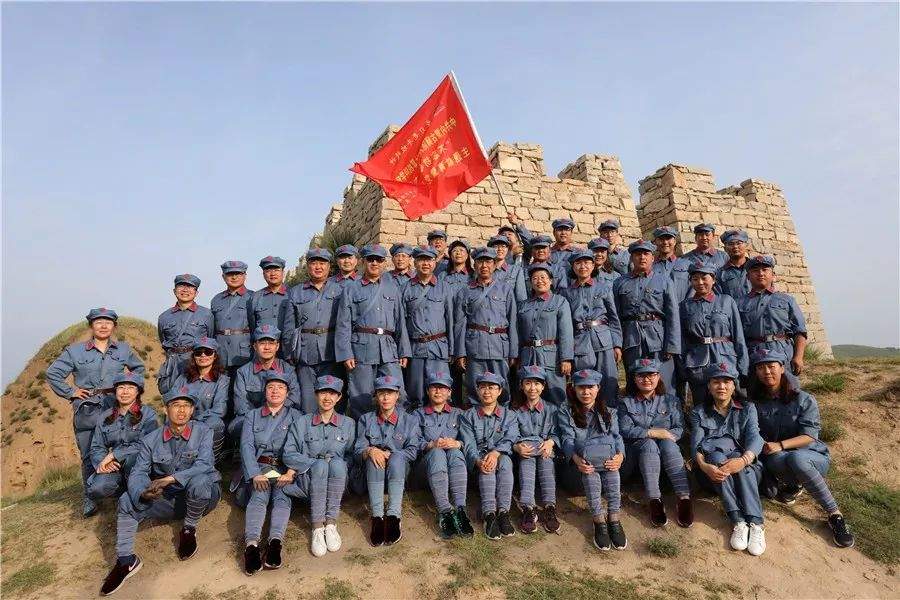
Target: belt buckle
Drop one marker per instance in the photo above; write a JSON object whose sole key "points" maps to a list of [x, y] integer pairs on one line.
{"points": [[707, 340], [379, 331], [538, 343], [490, 329], [769, 338]]}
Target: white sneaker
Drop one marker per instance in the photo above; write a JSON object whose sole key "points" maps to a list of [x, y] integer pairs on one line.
{"points": [[318, 546], [332, 538], [757, 543], [739, 536]]}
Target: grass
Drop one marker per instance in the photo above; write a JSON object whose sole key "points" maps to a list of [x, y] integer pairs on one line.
{"points": [[832, 418], [812, 354], [716, 590], [355, 557], [25, 581], [60, 480], [337, 589], [546, 582], [198, 593], [663, 547], [873, 512], [827, 383]]}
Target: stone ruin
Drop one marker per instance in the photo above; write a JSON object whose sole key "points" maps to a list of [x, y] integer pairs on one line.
{"points": [[590, 190]]}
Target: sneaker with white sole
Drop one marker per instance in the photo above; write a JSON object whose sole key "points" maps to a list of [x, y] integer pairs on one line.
{"points": [[740, 536], [757, 544], [332, 538], [317, 546]]}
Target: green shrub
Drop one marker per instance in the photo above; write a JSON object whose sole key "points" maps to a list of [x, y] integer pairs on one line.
{"points": [[812, 354], [873, 512], [832, 418], [827, 383], [34, 393], [663, 547]]}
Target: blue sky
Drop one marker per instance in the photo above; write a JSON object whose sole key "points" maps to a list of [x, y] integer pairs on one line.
{"points": [[145, 140]]}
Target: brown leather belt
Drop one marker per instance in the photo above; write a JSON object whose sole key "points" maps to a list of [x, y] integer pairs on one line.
{"points": [[268, 460], [233, 331], [180, 349], [769, 338], [430, 338], [538, 343], [98, 391], [583, 325], [318, 330], [486, 329], [711, 340], [373, 330], [646, 317]]}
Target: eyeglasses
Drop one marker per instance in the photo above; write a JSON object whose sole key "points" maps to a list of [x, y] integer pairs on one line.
{"points": [[646, 375], [375, 259], [204, 352]]}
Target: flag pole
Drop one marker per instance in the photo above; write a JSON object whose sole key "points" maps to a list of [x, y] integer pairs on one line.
{"points": [[477, 137]]}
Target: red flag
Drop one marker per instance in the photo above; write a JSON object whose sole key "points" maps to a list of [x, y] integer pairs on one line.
{"points": [[434, 158]]}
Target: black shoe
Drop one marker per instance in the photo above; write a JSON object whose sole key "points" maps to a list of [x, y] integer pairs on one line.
{"points": [[528, 522], [549, 519], [788, 494], [463, 524], [392, 533], [601, 537], [447, 524], [491, 527], [273, 555], [685, 512], [377, 534], [187, 542], [252, 560], [504, 524], [617, 535], [658, 513], [840, 531], [119, 574]]}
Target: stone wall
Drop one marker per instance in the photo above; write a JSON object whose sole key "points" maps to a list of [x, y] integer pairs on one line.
{"points": [[682, 196]]}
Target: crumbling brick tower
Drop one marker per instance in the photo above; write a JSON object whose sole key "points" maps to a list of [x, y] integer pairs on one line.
{"points": [[682, 196]]}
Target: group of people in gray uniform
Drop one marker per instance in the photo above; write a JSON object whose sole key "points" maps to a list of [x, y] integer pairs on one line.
{"points": [[494, 368]]}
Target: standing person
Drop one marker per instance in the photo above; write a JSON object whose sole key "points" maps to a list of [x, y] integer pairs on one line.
{"points": [[172, 478], [264, 306], [347, 259], [310, 321], [704, 234], [794, 457], [265, 475], [401, 257], [731, 278], [442, 456], [229, 309], [540, 255], [437, 239], [516, 255], [488, 432], [535, 450], [771, 319], [665, 238], [205, 378], [711, 330], [725, 442], [562, 245], [589, 438], [387, 442], [484, 321], [117, 437], [545, 331], [428, 307], [460, 272], [249, 388], [602, 269], [651, 423], [595, 323], [320, 447], [370, 336], [94, 365], [648, 310], [512, 274], [180, 327], [619, 258]]}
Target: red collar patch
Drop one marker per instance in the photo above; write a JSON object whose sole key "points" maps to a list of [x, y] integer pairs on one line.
{"points": [[168, 434]]}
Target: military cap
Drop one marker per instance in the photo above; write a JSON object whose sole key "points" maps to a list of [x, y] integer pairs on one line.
{"points": [[722, 369], [207, 342], [401, 248], [374, 250], [704, 227], [507, 228], [586, 377], [598, 244], [645, 365], [102, 313], [488, 377], [532, 372], [483, 253], [698, 266], [499, 239], [387, 382], [608, 224], [266, 332], [132, 378], [272, 261], [734, 235], [581, 254], [441, 378], [318, 254], [761, 261], [564, 223], [273, 375], [329, 382], [764, 355], [424, 252], [187, 279], [639, 245], [534, 268], [436, 233], [233, 266], [664, 231], [540, 241], [179, 393], [462, 243], [346, 250]]}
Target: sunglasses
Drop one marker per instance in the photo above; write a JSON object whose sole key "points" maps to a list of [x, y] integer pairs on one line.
{"points": [[375, 259], [204, 352]]}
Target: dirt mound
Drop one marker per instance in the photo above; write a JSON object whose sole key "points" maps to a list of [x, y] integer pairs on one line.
{"points": [[36, 433]]}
